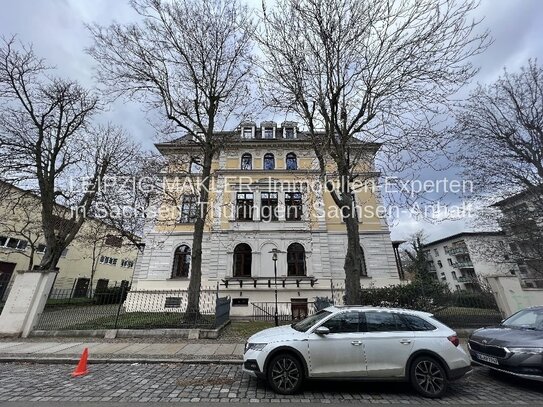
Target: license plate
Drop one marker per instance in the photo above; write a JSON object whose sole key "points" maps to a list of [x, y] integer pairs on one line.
{"points": [[488, 359]]}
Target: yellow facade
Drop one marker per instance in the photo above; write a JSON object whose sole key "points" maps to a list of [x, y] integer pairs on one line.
{"points": [[20, 220]]}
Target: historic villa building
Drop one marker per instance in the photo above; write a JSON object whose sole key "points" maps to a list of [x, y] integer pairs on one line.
{"points": [[265, 196]]}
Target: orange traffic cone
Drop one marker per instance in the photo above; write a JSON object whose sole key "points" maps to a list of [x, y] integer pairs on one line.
{"points": [[81, 368]]}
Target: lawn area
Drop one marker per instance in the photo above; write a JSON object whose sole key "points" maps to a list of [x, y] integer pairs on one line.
{"points": [[240, 330], [144, 320], [68, 302]]}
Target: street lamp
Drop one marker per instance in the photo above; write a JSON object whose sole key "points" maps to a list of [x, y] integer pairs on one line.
{"points": [[274, 258]]}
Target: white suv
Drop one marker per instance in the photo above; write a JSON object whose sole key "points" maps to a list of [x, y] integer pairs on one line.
{"points": [[359, 342]]}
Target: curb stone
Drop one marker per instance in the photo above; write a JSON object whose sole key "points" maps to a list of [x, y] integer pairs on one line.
{"points": [[60, 360]]}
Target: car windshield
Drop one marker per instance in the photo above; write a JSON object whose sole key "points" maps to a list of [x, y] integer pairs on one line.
{"points": [[311, 320], [526, 319]]}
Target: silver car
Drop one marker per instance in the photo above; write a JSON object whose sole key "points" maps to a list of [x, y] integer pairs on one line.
{"points": [[514, 347], [359, 343]]}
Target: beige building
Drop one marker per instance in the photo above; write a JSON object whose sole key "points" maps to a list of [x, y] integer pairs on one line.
{"points": [[464, 260], [265, 196], [97, 246]]}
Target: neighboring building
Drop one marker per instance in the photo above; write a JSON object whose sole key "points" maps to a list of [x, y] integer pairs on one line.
{"points": [[263, 199], [464, 260], [522, 223], [22, 245]]}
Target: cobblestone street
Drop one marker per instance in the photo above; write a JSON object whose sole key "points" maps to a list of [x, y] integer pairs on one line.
{"points": [[226, 383]]}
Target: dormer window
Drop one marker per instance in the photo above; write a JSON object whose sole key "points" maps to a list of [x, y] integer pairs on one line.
{"points": [[289, 133], [268, 133], [247, 132]]}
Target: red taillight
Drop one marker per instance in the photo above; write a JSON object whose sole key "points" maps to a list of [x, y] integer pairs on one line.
{"points": [[454, 340]]}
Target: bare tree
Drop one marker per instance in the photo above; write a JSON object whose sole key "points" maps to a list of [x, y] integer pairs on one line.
{"points": [[190, 60], [367, 73], [49, 145], [416, 259], [501, 129], [501, 126]]}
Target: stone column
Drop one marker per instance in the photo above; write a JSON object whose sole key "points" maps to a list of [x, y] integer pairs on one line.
{"points": [[26, 301]]}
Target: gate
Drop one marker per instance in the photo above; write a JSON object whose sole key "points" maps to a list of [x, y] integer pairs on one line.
{"points": [[6, 271], [81, 287]]}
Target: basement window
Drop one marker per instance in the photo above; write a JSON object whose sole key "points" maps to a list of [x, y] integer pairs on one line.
{"points": [[172, 302]]}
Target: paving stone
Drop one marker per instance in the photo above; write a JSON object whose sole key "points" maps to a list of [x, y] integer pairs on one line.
{"points": [[25, 347], [225, 349], [109, 348], [161, 349], [159, 382], [58, 348], [191, 348]]}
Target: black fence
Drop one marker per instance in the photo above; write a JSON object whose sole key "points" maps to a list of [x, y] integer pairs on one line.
{"points": [[122, 308], [287, 311]]}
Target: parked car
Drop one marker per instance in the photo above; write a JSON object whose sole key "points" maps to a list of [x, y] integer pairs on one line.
{"points": [[359, 343], [514, 347]]}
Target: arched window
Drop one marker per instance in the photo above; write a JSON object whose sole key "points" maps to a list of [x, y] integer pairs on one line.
{"points": [[242, 260], [269, 161], [292, 163], [363, 269], [296, 260], [246, 161], [181, 262]]}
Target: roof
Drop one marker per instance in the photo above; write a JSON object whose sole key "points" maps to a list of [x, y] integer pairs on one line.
{"points": [[464, 234], [236, 139], [513, 198]]}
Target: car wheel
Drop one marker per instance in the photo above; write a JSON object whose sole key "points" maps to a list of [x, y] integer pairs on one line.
{"points": [[285, 374], [428, 377]]}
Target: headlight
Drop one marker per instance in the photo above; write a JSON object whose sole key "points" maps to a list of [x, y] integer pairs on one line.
{"points": [[254, 346], [527, 351]]}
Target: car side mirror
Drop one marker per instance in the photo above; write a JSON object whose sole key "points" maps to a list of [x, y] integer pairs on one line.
{"points": [[322, 330]]}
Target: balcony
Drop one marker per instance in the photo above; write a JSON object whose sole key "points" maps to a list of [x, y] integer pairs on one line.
{"points": [[460, 249], [468, 280], [467, 264], [531, 282]]}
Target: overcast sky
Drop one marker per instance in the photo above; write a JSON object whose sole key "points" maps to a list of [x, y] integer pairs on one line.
{"points": [[57, 30]]}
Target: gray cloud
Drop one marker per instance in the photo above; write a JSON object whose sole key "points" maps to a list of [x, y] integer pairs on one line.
{"points": [[57, 30]]}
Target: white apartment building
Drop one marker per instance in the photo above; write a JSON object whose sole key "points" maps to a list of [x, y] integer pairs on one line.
{"points": [[464, 260]]}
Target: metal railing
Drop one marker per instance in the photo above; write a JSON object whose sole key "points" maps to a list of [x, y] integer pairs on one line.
{"points": [[122, 308], [286, 310], [463, 264], [460, 249]]}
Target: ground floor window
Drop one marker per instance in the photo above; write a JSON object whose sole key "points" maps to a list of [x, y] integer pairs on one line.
{"points": [[181, 262], [296, 260], [242, 260]]}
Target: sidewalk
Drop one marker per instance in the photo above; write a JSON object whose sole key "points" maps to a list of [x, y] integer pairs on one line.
{"points": [[121, 352]]}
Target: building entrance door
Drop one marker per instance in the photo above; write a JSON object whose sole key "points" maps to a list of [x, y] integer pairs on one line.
{"points": [[298, 308]]}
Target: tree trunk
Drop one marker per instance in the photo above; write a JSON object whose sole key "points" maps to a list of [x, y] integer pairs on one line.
{"points": [[31, 258], [51, 257], [193, 303], [353, 261]]}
